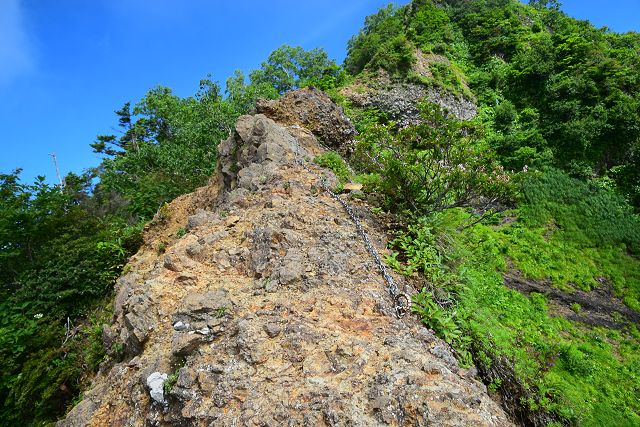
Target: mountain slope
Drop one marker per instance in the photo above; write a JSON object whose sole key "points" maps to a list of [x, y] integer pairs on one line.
{"points": [[268, 309]]}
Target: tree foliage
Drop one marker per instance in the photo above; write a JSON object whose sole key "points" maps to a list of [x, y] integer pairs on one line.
{"points": [[572, 90], [290, 68], [435, 165]]}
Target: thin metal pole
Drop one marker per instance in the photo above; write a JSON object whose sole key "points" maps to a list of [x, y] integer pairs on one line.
{"points": [[55, 162]]}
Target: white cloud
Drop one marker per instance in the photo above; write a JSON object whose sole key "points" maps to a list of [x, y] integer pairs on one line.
{"points": [[15, 48]]}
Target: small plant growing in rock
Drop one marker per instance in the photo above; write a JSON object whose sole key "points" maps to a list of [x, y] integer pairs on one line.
{"points": [[118, 351], [163, 213], [161, 248], [221, 311], [577, 308], [172, 378], [494, 385], [332, 160], [171, 381], [181, 232]]}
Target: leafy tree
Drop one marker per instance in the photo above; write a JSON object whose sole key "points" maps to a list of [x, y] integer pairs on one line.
{"points": [[241, 96], [174, 151], [290, 68], [380, 44], [57, 260]]}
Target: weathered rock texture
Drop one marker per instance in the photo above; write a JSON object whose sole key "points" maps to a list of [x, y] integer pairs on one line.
{"points": [[312, 109], [400, 101], [269, 311]]}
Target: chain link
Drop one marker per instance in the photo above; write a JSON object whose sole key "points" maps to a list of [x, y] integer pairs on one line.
{"points": [[401, 301]]}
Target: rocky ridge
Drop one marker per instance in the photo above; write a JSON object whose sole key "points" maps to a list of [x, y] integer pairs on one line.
{"points": [[268, 310]]}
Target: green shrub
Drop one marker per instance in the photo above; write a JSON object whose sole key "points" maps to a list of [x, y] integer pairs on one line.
{"points": [[332, 160], [584, 212], [435, 165]]}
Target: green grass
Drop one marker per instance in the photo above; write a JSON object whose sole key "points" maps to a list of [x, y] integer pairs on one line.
{"points": [[582, 375]]}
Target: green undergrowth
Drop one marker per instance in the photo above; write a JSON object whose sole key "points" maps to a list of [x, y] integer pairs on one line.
{"points": [[570, 372], [64, 362], [332, 160]]}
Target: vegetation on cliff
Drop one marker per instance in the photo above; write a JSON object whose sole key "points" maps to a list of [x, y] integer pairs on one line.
{"points": [[529, 266], [521, 224]]}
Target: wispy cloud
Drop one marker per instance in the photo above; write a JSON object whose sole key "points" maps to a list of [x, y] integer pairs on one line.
{"points": [[15, 48]]}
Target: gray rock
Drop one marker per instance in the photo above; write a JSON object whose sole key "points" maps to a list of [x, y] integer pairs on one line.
{"points": [[292, 267], [193, 250], [81, 414], [180, 326], [186, 385], [203, 331], [208, 302], [314, 110], [183, 344], [261, 258], [139, 320], [400, 102], [212, 238], [201, 218], [272, 329], [248, 158], [444, 352], [170, 263], [185, 279]]}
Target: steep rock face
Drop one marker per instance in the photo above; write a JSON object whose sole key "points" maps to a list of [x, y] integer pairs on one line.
{"points": [[400, 101], [269, 311], [312, 109]]}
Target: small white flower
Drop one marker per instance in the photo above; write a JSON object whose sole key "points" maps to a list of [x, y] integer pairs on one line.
{"points": [[38, 316]]}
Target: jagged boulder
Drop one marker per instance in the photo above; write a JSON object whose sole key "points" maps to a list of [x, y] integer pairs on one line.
{"points": [[313, 110], [270, 311]]}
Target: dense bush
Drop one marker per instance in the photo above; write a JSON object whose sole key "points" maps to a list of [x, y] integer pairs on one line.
{"points": [[586, 213], [435, 165]]}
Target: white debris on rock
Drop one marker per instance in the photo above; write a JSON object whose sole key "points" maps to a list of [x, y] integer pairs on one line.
{"points": [[155, 382]]}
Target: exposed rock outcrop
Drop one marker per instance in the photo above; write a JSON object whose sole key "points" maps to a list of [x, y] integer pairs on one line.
{"points": [[269, 310], [400, 101], [313, 110]]}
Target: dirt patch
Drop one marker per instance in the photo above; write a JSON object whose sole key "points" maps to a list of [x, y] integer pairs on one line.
{"points": [[599, 307]]}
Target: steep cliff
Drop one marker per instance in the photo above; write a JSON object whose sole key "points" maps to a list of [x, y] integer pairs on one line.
{"points": [[255, 302]]}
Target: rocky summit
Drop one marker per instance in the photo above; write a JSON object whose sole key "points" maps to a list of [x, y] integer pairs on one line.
{"points": [[254, 302]]}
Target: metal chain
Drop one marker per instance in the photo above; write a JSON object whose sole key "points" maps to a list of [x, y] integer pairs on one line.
{"points": [[401, 300]]}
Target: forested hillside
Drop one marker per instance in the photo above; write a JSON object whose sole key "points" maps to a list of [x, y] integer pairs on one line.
{"points": [[536, 278], [518, 223]]}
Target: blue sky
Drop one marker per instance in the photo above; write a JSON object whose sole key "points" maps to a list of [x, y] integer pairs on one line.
{"points": [[66, 65]]}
